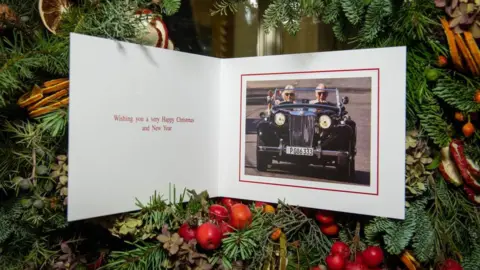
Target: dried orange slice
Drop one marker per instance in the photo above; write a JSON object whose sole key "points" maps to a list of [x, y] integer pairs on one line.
{"points": [[54, 82], [50, 108], [56, 87], [48, 99], [51, 12], [30, 97]]}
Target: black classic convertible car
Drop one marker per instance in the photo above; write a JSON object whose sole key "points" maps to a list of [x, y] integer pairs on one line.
{"points": [[307, 126]]}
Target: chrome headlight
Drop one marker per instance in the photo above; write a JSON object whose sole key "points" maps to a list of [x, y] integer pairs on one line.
{"points": [[279, 119], [325, 121]]}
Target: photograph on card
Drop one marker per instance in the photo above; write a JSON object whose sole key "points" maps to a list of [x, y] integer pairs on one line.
{"points": [[308, 129]]}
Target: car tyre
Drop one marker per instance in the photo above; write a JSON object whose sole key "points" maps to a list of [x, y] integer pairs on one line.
{"points": [[262, 159]]}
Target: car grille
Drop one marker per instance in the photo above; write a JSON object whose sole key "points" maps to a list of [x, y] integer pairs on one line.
{"points": [[302, 129]]}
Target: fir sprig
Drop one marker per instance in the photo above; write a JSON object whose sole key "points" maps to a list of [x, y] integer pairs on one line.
{"points": [[142, 256], [458, 93]]}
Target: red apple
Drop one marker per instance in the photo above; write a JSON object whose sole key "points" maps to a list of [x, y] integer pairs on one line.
{"points": [[218, 212], [209, 236], [186, 232], [324, 217], [240, 216], [335, 262], [341, 249], [372, 256]]}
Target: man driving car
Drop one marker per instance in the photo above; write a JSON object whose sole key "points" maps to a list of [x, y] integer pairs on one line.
{"points": [[320, 94]]}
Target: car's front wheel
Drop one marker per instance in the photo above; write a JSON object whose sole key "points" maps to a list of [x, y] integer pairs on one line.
{"points": [[263, 160]]}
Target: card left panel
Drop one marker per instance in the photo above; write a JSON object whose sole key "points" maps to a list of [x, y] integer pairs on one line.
{"points": [[141, 119]]}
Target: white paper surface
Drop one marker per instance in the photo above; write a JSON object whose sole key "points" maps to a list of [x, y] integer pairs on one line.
{"points": [[111, 163], [385, 194]]}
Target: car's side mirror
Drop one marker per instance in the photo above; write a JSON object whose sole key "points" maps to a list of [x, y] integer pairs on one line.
{"points": [[262, 115], [345, 100]]}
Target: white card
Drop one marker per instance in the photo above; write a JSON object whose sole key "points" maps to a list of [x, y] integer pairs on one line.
{"points": [[143, 119]]}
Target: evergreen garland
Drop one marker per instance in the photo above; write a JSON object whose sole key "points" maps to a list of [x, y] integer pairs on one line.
{"points": [[441, 222]]}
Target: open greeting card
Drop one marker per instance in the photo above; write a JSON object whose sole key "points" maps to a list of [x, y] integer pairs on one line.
{"points": [[323, 130]]}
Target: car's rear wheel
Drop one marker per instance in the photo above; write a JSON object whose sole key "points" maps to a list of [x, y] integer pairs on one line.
{"points": [[263, 160]]}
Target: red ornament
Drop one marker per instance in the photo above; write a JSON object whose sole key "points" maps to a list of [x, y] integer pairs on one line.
{"points": [[209, 236], [186, 232], [240, 216], [324, 217], [355, 266], [329, 229], [450, 264], [157, 32], [335, 262], [372, 256], [218, 212], [341, 249]]}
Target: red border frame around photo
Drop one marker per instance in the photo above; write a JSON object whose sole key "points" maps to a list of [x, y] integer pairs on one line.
{"points": [[304, 72]]}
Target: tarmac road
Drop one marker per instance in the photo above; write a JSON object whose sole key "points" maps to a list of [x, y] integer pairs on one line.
{"points": [[358, 108]]}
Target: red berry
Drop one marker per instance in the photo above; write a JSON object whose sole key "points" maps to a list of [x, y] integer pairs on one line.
{"points": [[372, 256], [341, 249], [324, 217], [228, 202], [355, 266], [218, 212], [358, 257], [335, 262], [225, 228], [259, 204], [442, 61], [186, 232], [477, 96], [450, 264], [329, 229], [209, 236]]}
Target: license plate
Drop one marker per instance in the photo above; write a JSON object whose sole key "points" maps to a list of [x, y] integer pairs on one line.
{"points": [[299, 151]]}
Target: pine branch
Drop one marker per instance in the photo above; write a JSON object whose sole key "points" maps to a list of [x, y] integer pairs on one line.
{"points": [[222, 7], [143, 256], [333, 9], [375, 20], [354, 10], [433, 122]]}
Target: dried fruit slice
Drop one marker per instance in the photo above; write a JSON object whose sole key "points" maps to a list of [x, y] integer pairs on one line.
{"points": [[48, 99], [171, 46], [457, 61], [471, 195], [472, 46], [56, 87], [466, 55], [54, 82], [50, 108], [448, 168], [473, 167], [51, 12], [30, 97]]}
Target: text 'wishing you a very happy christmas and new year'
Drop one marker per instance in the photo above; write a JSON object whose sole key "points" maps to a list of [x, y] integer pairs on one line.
{"points": [[153, 123]]}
